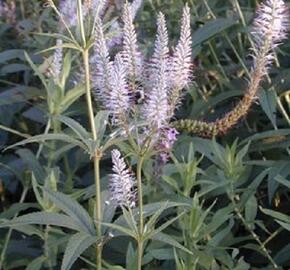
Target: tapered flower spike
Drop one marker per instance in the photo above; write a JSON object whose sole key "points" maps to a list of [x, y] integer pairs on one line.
{"points": [[135, 6], [181, 60], [8, 11], [130, 54], [97, 7], [160, 56], [270, 29], [103, 66], [57, 59], [118, 100], [68, 9], [156, 107], [121, 182]]}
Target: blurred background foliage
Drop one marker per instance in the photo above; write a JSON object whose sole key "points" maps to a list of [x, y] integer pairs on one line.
{"points": [[238, 185]]}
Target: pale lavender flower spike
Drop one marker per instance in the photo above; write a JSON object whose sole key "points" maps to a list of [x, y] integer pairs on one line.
{"points": [[57, 59], [118, 100], [131, 54], [68, 9], [121, 182], [98, 7], [156, 107], [103, 65], [269, 29], [116, 27], [181, 73]]}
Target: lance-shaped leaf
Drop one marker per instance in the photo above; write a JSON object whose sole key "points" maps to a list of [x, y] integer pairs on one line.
{"points": [[44, 218], [73, 209], [162, 237], [50, 137], [77, 244]]}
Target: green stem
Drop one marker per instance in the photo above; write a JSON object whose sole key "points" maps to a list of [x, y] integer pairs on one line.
{"points": [[22, 9], [46, 247], [88, 93], [13, 131], [8, 235], [98, 210], [141, 219], [97, 157], [254, 235]]}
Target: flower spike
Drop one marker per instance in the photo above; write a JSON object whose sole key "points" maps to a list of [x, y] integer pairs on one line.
{"points": [[121, 182]]}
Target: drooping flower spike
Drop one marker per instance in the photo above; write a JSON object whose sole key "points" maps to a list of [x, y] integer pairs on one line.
{"points": [[270, 28]]}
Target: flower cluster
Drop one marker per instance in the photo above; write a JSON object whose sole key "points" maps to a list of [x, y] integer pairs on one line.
{"points": [[69, 9], [118, 81], [161, 80], [8, 11], [121, 182]]}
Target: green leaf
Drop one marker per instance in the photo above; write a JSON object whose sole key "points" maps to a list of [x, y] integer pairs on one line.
{"points": [[268, 102], [35, 188], [252, 188], [53, 137], [11, 54], [276, 215], [16, 208], [121, 229], [73, 209], [12, 68], [151, 209], [77, 244], [29, 230], [36, 70], [269, 134], [283, 255], [171, 181], [153, 219], [66, 67], [128, 215], [284, 225], [71, 96], [43, 218], [36, 264], [163, 226], [280, 179], [210, 29], [251, 209], [101, 120], [30, 159], [162, 237], [77, 128]]}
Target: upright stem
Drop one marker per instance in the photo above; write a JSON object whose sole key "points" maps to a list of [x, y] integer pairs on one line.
{"points": [[98, 210], [254, 235], [141, 220], [97, 157], [88, 93], [46, 247]]}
